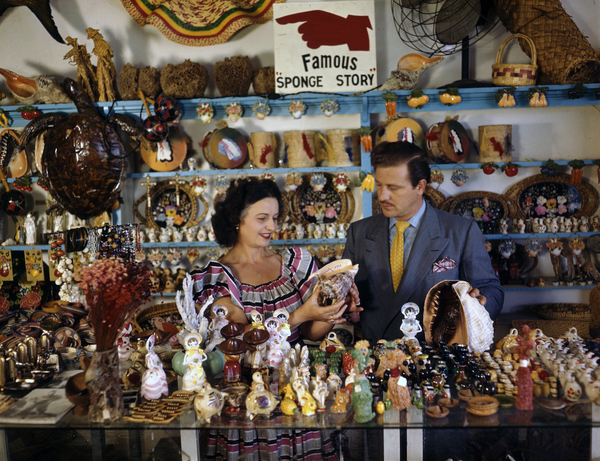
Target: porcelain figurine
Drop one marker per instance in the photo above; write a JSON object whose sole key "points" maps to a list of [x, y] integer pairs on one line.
{"points": [[165, 235], [288, 404], [124, 345], [177, 234], [584, 224], [362, 401], [277, 347], [520, 226], [259, 400], [319, 392], [151, 235], [410, 325], [305, 400], [334, 384], [342, 399], [194, 377], [218, 322], [202, 234], [208, 403], [154, 379]]}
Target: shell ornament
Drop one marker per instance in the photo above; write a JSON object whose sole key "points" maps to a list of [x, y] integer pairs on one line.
{"points": [[335, 280]]}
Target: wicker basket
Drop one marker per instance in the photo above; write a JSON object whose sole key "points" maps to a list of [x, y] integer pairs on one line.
{"points": [[159, 310], [515, 74], [564, 54]]}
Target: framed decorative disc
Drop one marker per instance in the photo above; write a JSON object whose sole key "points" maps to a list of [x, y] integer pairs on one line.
{"points": [[327, 205], [172, 204]]}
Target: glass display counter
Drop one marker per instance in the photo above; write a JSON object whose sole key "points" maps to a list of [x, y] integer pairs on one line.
{"points": [[572, 433]]}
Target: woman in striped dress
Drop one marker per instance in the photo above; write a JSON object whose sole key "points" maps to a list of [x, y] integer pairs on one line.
{"points": [[253, 277]]}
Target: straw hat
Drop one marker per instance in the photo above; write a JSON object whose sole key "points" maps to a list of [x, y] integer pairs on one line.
{"points": [[200, 22]]}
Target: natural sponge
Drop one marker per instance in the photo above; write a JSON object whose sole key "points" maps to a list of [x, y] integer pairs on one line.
{"points": [[184, 81], [128, 82], [233, 76], [132, 79], [263, 80]]}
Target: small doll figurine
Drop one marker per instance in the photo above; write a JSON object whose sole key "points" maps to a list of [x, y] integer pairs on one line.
{"points": [[410, 325], [154, 380], [194, 377], [219, 321]]}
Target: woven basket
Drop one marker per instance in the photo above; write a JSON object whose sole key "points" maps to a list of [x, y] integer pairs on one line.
{"points": [[158, 310], [563, 311], [515, 74], [564, 55]]}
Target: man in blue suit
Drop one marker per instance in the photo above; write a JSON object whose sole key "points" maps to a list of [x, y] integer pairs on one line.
{"points": [[438, 245]]}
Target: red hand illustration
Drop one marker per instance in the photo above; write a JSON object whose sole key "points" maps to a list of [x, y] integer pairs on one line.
{"points": [[321, 28]]}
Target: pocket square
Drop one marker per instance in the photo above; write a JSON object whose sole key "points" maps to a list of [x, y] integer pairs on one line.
{"points": [[444, 265]]}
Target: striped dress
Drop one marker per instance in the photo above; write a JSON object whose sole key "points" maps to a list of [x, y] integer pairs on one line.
{"points": [[290, 290]]}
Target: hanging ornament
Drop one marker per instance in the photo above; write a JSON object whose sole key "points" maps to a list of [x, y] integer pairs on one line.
{"points": [[221, 183], [205, 111], [317, 181], [576, 245], [199, 184], [417, 99], [576, 172], [268, 176], [507, 248], [341, 182], [390, 104], [437, 177], [155, 256], [297, 108], [192, 254], [261, 109], [6, 273], [234, 111], [554, 245], [459, 176], [329, 106], [533, 246], [168, 109], [365, 139], [536, 96], [293, 180], [505, 97]]}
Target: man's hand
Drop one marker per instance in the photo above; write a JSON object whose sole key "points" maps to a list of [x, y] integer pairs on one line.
{"points": [[474, 292]]}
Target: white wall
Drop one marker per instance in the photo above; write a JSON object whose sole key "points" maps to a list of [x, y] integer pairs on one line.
{"points": [[552, 133]]}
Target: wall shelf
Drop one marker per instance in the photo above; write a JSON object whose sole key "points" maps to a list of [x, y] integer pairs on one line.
{"points": [[349, 103]]}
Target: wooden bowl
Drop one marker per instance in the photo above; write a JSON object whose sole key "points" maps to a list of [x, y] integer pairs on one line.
{"points": [[483, 406]]}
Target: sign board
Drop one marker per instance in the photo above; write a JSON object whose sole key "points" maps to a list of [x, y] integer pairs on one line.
{"points": [[324, 47]]}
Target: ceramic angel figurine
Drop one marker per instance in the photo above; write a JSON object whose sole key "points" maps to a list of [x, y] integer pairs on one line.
{"points": [[194, 377], [154, 379]]}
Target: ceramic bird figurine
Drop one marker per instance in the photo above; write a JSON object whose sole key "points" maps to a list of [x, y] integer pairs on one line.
{"points": [[409, 70], [41, 9], [43, 88]]}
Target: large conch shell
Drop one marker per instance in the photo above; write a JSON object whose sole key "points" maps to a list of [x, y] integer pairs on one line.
{"points": [[335, 280], [451, 315], [32, 90], [409, 70]]}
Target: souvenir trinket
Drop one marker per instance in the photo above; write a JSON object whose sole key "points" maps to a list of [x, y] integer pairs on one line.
{"points": [[194, 378], [437, 177], [329, 106], [335, 280], [297, 108], [234, 111], [205, 111], [317, 181], [261, 109], [154, 379], [459, 176], [208, 403], [288, 404], [341, 182], [259, 401], [410, 325], [293, 180]]}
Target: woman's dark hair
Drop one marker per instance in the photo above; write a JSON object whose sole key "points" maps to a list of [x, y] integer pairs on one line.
{"points": [[240, 194], [397, 153]]}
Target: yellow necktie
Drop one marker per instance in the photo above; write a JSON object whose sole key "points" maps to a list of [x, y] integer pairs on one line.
{"points": [[397, 253]]}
